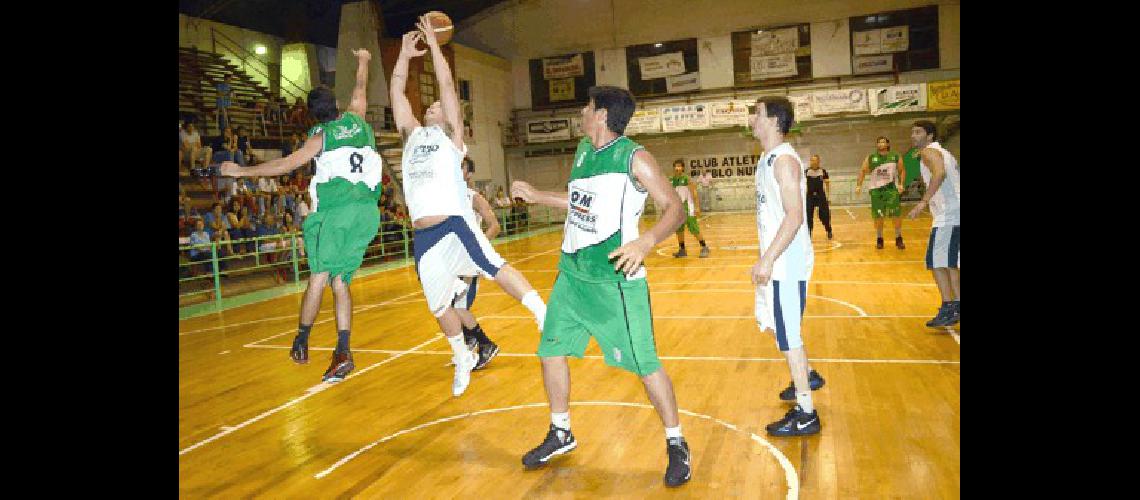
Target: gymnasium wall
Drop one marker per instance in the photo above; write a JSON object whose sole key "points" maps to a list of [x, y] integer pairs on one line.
{"points": [[491, 101]]}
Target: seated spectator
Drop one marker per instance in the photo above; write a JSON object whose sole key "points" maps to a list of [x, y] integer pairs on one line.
{"points": [[243, 146], [501, 199], [273, 111], [288, 194], [303, 207], [200, 254], [241, 228], [266, 189], [192, 148], [225, 148], [519, 214], [216, 221]]}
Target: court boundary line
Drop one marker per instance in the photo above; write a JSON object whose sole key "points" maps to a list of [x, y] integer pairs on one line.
{"points": [[790, 475]]}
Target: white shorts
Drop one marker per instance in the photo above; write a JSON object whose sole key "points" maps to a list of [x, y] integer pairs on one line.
{"points": [[780, 307], [446, 251], [943, 249]]}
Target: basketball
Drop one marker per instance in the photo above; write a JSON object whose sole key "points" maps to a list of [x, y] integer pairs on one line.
{"points": [[442, 25]]}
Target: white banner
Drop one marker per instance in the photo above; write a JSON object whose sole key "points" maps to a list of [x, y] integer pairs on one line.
{"points": [[576, 126], [898, 99], [867, 42], [644, 121], [873, 64], [773, 66], [728, 114], [839, 101], [683, 83], [895, 39], [687, 117], [547, 130], [563, 67], [774, 42], [670, 64], [803, 107]]}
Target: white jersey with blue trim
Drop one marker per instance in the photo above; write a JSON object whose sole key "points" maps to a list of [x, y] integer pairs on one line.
{"points": [[796, 263], [471, 202], [433, 175], [946, 204]]}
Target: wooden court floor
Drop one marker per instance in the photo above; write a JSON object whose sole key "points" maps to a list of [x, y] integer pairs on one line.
{"points": [[253, 424]]}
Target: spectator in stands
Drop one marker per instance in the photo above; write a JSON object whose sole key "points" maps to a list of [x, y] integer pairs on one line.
{"points": [[192, 146], [266, 189], [216, 220], [243, 147], [201, 237], [273, 111], [268, 227], [287, 193], [303, 207], [241, 228], [501, 199], [225, 148], [299, 115], [519, 214], [224, 99]]}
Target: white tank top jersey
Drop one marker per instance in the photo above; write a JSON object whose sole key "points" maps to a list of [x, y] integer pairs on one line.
{"points": [[471, 202], [433, 176], [796, 263], [945, 205]]}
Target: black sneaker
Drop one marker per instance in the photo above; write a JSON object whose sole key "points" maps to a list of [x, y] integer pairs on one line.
{"points": [[679, 470], [557, 442], [829, 235], [300, 351], [487, 352], [942, 318], [879, 243], [814, 380], [953, 314], [470, 340], [340, 367], [795, 423], [681, 253], [899, 243]]}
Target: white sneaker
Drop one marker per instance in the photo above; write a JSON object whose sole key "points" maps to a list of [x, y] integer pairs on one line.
{"points": [[463, 367]]}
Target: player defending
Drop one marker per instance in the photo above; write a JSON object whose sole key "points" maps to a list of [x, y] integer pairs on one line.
{"points": [[473, 334], [345, 218], [447, 239], [940, 173], [692, 209], [786, 257], [601, 289], [887, 182]]}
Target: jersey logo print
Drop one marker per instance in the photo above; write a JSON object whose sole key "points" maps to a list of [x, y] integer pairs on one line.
{"points": [[343, 132], [579, 214], [357, 162]]}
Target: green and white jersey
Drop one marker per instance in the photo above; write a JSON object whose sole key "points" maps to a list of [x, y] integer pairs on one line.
{"points": [[884, 168], [681, 184], [605, 205], [349, 169]]}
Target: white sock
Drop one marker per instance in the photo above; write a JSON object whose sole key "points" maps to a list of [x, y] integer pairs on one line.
{"points": [[533, 302], [458, 346], [673, 432], [561, 420], [804, 399]]}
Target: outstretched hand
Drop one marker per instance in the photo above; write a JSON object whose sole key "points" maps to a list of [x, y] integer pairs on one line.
{"points": [[362, 54], [522, 189], [425, 27], [408, 49]]}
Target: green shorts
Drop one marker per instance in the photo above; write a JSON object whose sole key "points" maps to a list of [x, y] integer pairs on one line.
{"points": [[616, 314], [885, 201], [690, 221], [336, 238]]}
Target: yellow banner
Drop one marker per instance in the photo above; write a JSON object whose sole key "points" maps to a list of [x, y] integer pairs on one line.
{"points": [[943, 95], [561, 89]]}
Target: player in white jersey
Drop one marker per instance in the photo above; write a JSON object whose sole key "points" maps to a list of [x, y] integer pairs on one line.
{"points": [[940, 173], [473, 334], [786, 256], [447, 243]]}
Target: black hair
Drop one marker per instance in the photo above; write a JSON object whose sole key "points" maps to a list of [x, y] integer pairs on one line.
{"points": [[322, 104], [470, 164], [618, 103], [929, 127], [680, 161], [883, 138], [780, 108]]}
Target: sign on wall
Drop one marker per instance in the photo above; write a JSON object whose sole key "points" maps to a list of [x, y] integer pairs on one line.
{"points": [[561, 89], [563, 67], [873, 64], [765, 67], [687, 117], [728, 114], [803, 110], [883, 40], [825, 102], [943, 95], [898, 99], [670, 64], [548, 130], [644, 121], [775, 42], [683, 83]]}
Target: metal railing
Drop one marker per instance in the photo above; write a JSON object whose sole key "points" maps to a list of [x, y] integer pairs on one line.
{"points": [[288, 253], [243, 55]]}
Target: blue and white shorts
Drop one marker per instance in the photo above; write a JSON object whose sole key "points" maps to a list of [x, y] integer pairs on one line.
{"points": [[943, 249], [447, 251], [780, 307]]}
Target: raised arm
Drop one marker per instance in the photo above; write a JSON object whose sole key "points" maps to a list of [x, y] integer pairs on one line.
{"points": [[933, 161], [645, 171], [448, 98], [279, 166], [402, 109], [484, 209], [359, 103], [529, 194], [788, 180]]}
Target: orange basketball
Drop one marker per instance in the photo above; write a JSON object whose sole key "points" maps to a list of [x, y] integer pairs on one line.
{"points": [[442, 25]]}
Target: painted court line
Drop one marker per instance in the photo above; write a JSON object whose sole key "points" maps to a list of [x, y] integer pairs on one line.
{"points": [[309, 392], [672, 358], [333, 318], [790, 476]]}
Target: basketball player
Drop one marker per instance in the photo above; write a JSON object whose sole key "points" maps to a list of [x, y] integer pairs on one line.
{"points": [[940, 172], [344, 217], [818, 187], [447, 240], [688, 195], [786, 257], [887, 182], [601, 290], [473, 334]]}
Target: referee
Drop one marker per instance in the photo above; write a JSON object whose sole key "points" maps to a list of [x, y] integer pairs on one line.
{"points": [[817, 187]]}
